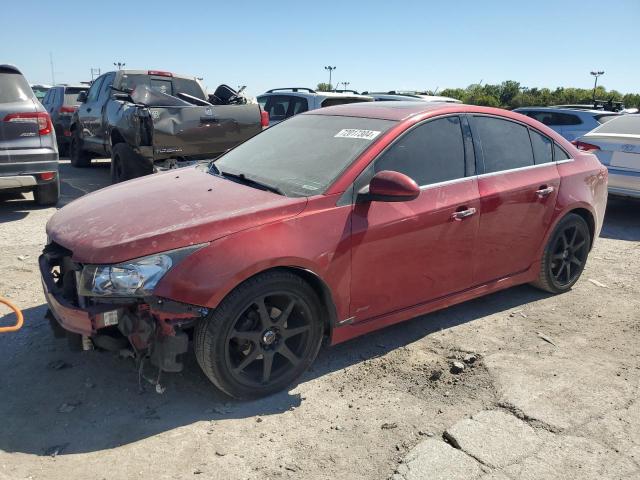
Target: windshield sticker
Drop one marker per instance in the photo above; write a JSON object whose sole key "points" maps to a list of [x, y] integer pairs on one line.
{"points": [[357, 133]]}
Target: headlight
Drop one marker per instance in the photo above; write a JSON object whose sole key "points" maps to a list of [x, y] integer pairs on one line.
{"points": [[135, 278]]}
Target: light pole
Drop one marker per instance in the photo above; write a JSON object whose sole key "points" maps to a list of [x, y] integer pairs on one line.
{"points": [[596, 73], [119, 65], [331, 69], [345, 84]]}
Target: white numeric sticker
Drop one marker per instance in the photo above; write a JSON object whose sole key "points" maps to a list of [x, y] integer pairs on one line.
{"points": [[357, 133]]}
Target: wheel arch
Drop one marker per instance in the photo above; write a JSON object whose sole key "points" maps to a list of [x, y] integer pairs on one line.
{"points": [[588, 217], [314, 280]]}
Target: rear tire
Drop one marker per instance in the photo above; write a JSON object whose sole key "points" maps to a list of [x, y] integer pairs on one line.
{"points": [[261, 337], [565, 255], [79, 157], [47, 194], [127, 164]]}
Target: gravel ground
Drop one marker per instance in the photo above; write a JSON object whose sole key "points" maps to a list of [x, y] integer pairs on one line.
{"points": [[551, 390]]}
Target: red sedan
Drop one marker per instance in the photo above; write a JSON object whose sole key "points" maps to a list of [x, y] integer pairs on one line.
{"points": [[331, 224]]}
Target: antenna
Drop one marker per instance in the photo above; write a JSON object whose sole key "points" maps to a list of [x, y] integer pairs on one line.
{"points": [[53, 77]]}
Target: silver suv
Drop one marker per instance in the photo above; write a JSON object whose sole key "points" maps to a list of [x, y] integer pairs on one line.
{"points": [[282, 103], [571, 123], [28, 149]]}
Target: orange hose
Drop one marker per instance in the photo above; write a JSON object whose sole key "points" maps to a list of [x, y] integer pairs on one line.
{"points": [[19, 316]]}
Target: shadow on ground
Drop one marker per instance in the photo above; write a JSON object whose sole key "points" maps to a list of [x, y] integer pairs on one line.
{"points": [[74, 183], [622, 219], [54, 399]]}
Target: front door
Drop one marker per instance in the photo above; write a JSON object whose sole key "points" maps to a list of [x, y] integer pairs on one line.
{"points": [[407, 253], [518, 190]]}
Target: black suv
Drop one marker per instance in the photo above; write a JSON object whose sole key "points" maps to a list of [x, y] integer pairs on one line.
{"points": [[61, 102]]}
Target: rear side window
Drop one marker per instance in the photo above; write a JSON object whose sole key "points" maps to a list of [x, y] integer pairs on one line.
{"points": [[566, 119], [14, 88], [430, 153], [559, 154], [330, 102], [505, 144], [71, 95], [284, 106], [542, 148]]}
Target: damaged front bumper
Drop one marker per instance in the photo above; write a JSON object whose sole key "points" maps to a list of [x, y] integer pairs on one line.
{"points": [[153, 327]]}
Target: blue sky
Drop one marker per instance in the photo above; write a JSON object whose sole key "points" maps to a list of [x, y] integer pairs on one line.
{"points": [[375, 45]]}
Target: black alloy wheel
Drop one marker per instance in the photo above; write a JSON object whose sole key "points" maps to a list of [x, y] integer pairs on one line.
{"points": [[565, 256], [262, 336]]}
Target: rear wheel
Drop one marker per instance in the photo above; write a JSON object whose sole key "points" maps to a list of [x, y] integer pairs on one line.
{"points": [[127, 164], [79, 157], [565, 255], [47, 194], [261, 337]]}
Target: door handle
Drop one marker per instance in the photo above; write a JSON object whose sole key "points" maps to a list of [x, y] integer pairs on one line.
{"points": [[544, 191], [461, 214]]}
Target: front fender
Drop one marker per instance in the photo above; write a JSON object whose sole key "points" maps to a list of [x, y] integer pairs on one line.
{"points": [[317, 241]]}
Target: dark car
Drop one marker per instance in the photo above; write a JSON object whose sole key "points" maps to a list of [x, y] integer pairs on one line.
{"points": [[334, 223], [61, 102], [28, 150], [151, 120]]}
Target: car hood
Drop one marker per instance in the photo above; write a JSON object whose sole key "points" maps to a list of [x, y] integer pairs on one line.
{"points": [[163, 212]]}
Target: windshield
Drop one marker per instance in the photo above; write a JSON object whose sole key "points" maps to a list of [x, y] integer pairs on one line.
{"points": [[302, 156]]}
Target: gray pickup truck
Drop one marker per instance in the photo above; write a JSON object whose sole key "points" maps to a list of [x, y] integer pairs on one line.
{"points": [[154, 120]]}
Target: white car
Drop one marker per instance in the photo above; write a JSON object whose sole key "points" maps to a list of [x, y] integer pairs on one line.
{"points": [[282, 103], [568, 122], [617, 145]]}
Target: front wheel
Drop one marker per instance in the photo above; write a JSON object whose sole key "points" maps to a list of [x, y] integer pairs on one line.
{"points": [[261, 337], [565, 255], [79, 157]]}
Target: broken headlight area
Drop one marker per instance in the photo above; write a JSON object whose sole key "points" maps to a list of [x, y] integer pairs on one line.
{"points": [[111, 307]]}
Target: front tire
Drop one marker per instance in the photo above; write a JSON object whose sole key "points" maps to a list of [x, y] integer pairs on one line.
{"points": [[261, 337], [79, 157], [565, 255]]}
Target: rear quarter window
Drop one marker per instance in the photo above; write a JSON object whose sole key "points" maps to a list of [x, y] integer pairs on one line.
{"points": [[559, 154], [542, 148], [14, 88], [505, 144], [330, 102]]}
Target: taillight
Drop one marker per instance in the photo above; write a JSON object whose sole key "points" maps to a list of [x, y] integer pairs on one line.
{"points": [[41, 118], [47, 175], [585, 146], [159, 73], [264, 119], [67, 109]]}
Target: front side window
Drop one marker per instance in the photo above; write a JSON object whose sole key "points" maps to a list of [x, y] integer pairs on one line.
{"points": [[505, 144], [542, 148], [92, 96], [429, 153], [304, 155]]}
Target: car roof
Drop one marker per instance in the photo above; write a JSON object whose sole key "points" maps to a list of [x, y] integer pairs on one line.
{"points": [[7, 68], [391, 110], [307, 92], [565, 110]]}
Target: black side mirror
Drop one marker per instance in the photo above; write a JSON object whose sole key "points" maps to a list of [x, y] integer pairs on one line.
{"points": [[82, 97]]}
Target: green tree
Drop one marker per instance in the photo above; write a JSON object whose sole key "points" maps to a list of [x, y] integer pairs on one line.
{"points": [[324, 87]]}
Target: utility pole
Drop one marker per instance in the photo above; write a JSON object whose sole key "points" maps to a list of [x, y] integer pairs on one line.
{"points": [[119, 65], [331, 69], [95, 73], [53, 77], [596, 73]]}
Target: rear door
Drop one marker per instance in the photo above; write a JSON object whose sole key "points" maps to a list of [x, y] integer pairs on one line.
{"points": [[19, 125], [518, 186], [407, 253]]}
